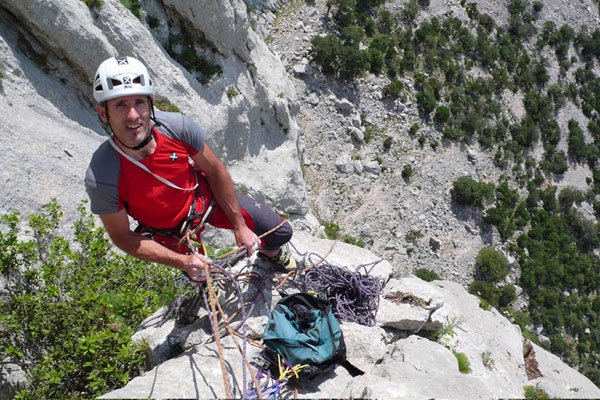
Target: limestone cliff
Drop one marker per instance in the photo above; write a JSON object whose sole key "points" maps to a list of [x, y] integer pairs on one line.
{"points": [[49, 50]]}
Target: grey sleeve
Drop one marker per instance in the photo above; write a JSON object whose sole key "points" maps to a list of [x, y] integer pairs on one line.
{"points": [[101, 180], [181, 127]]}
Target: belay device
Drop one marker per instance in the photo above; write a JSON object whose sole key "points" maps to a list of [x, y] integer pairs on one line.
{"points": [[303, 330]]}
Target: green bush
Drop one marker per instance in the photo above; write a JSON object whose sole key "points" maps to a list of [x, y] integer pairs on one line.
{"points": [[426, 274], [93, 3], [491, 265], [533, 393], [343, 57], [71, 307], [464, 365], [393, 89], [508, 294], [133, 5], [426, 100], [486, 291], [442, 114], [469, 192], [578, 150], [407, 172], [353, 241], [332, 230]]}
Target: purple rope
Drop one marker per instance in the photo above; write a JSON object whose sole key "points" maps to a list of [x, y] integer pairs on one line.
{"points": [[354, 296]]}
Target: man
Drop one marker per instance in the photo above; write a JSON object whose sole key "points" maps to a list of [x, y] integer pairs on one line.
{"points": [[157, 168]]}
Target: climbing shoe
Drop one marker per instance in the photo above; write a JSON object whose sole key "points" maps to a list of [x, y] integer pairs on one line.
{"points": [[283, 260]]}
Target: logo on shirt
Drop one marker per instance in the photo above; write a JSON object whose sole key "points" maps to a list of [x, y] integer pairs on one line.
{"points": [[173, 156]]}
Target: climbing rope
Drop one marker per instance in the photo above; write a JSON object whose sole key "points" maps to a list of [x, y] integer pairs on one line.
{"points": [[214, 268], [354, 295]]}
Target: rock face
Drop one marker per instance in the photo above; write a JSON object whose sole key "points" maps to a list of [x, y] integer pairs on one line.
{"points": [[253, 109], [50, 51], [393, 359]]}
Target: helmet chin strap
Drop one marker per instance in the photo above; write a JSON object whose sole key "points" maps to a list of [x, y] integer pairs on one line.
{"points": [[139, 146]]}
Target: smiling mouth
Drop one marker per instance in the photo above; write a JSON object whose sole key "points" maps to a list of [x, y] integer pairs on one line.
{"points": [[133, 127]]}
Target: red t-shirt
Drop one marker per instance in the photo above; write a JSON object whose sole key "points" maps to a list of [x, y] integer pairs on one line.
{"points": [[114, 183], [151, 201]]}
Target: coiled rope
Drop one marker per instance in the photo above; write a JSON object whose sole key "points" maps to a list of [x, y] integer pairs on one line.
{"points": [[354, 295]]}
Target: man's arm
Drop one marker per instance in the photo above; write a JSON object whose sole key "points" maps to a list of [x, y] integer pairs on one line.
{"points": [[139, 246], [224, 191]]}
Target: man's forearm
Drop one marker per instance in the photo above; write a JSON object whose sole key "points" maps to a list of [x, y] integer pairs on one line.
{"points": [[146, 249]]}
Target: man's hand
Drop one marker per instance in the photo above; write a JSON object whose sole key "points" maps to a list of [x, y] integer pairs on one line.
{"points": [[196, 266], [244, 237]]}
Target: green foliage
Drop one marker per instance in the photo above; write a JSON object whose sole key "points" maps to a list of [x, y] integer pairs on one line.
{"points": [[426, 274], [578, 149], [231, 92], [413, 236], [387, 143], [353, 241], [411, 10], [184, 47], [464, 365], [568, 197], [407, 172], [442, 115], [492, 295], [469, 192], [393, 89], [448, 331], [533, 393], [414, 128], [133, 5], [332, 230], [326, 52], [502, 215], [93, 3], [491, 265], [166, 105], [554, 163], [71, 308]]}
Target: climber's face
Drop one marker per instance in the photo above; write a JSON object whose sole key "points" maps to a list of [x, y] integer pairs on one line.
{"points": [[129, 118]]}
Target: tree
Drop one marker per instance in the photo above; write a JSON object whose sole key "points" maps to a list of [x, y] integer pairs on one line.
{"points": [[491, 265], [469, 192], [326, 52], [353, 63], [442, 114], [576, 142], [426, 100]]}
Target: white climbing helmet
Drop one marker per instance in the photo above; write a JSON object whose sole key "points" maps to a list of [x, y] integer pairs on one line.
{"points": [[121, 76]]}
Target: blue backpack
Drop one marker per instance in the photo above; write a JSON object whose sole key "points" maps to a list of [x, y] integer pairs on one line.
{"points": [[303, 330]]}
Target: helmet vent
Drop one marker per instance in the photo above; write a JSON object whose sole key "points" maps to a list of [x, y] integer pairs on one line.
{"points": [[113, 82]]}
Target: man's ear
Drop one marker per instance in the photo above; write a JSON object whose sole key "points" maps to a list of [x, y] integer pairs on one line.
{"points": [[101, 110]]}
